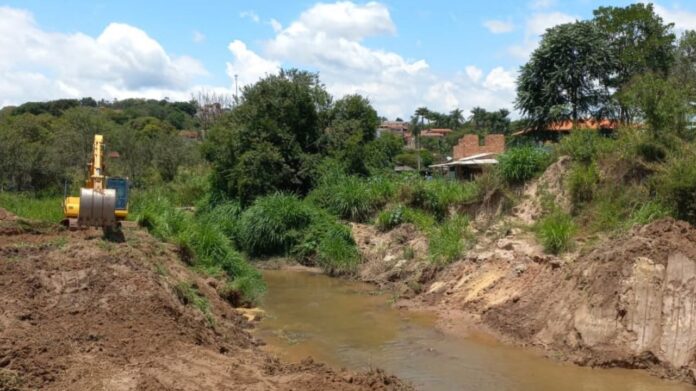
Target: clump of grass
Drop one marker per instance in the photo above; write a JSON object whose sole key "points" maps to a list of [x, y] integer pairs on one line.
{"points": [[582, 183], [520, 164], [584, 146], [337, 253], [649, 211], [424, 221], [273, 225], [202, 242], [351, 197], [555, 231], [448, 241], [188, 294], [437, 195], [42, 208], [675, 186], [391, 218]]}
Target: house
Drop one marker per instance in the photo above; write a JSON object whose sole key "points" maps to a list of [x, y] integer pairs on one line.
{"points": [[433, 133], [398, 128], [554, 130], [472, 155]]}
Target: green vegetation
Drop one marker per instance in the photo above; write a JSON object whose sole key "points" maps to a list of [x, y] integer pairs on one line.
{"points": [[188, 294], [582, 183], [201, 242], [43, 208], [447, 242], [520, 164], [555, 231]]}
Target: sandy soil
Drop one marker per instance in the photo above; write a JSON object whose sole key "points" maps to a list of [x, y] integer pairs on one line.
{"points": [[81, 313]]}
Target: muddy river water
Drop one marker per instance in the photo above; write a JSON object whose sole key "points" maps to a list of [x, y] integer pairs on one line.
{"points": [[348, 324]]}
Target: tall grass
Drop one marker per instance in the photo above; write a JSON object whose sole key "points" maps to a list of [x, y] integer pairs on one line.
{"points": [[44, 208], [447, 242], [582, 183], [202, 243], [555, 231], [437, 195], [520, 164], [273, 225]]}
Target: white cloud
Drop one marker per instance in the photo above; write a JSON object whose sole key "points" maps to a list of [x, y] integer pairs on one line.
{"points": [[247, 65], [682, 19], [251, 15], [474, 73], [499, 26], [328, 38], [198, 37], [275, 25], [122, 61], [535, 26]]}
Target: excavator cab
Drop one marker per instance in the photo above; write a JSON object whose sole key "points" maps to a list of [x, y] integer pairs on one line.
{"points": [[103, 201]]}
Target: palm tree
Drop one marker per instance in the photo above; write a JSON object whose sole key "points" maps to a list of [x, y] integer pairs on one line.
{"points": [[421, 112], [456, 118]]}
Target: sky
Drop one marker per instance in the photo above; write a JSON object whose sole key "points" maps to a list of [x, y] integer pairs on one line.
{"points": [[400, 54]]}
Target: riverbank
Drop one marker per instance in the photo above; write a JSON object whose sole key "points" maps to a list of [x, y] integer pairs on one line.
{"points": [[83, 313], [616, 302]]}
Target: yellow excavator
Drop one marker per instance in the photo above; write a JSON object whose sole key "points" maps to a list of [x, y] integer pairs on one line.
{"points": [[103, 201]]}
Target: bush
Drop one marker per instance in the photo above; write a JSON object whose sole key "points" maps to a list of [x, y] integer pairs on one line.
{"points": [[555, 231], [521, 164], [649, 211], [447, 242], [390, 218], [583, 146], [676, 187], [273, 225], [410, 158], [582, 183]]}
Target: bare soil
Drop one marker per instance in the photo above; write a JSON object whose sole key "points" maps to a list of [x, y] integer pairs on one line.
{"points": [[626, 301], [78, 312]]}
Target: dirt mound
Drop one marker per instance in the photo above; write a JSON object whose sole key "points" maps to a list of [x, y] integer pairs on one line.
{"points": [[396, 259], [81, 313], [5, 215], [550, 187], [629, 302]]}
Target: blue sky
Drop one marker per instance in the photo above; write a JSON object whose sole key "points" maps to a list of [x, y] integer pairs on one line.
{"points": [[401, 54]]}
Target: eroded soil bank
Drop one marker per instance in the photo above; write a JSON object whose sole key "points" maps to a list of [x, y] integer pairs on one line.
{"points": [[626, 301], [81, 313]]}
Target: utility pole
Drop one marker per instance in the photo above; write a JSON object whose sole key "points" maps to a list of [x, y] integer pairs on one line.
{"points": [[236, 91], [418, 145]]}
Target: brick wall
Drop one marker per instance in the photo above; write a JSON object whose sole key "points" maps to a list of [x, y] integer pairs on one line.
{"points": [[469, 145]]}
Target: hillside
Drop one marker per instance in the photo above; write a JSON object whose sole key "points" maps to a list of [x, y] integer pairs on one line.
{"points": [[79, 312]]}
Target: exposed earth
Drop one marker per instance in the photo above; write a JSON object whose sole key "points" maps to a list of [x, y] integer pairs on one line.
{"points": [[81, 313], [625, 301]]}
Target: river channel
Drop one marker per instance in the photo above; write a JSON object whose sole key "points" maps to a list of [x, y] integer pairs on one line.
{"points": [[349, 324]]}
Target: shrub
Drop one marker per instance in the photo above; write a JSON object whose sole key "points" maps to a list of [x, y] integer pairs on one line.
{"points": [[273, 225], [583, 146], [555, 231], [390, 218], [447, 242], [226, 216], [518, 165], [676, 187], [422, 220], [582, 183]]}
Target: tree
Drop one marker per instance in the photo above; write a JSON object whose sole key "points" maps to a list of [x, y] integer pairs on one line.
{"points": [[275, 128], [456, 118], [351, 115], [640, 41], [566, 76], [684, 70], [661, 101]]}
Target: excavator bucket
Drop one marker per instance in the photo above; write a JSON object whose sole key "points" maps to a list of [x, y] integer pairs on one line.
{"points": [[97, 208]]}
